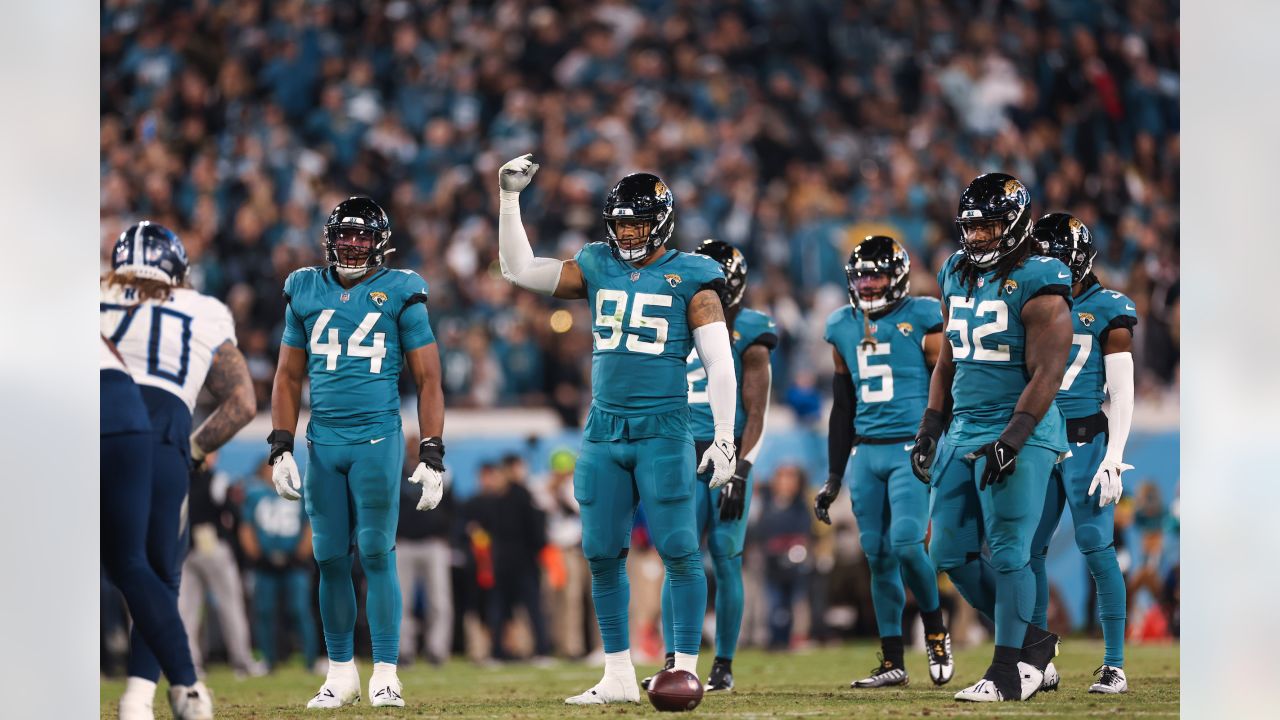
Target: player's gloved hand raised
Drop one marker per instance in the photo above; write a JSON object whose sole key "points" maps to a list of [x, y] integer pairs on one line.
{"points": [[1108, 479], [733, 496], [430, 472], [1002, 460], [827, 495], [720, 458], [926, 445], [284, 469], [516, 174]]}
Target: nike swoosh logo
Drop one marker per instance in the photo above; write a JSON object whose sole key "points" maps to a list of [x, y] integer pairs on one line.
{"points": [[1130, 307], [908, 446], [1080, 444], [375, 442], [1064, 276]]}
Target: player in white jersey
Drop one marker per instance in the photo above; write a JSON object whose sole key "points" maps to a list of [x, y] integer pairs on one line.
{"points": [[174, 341]]}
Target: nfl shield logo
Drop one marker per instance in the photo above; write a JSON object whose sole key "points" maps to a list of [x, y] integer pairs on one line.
{"points": [[981, 282], [635, 276], [345, 297]]}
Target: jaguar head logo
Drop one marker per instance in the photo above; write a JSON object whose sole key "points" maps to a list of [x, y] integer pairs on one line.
{"points": [[1086, 319], [672, 278], [378, 297], [1010, 286], [905, 328]]}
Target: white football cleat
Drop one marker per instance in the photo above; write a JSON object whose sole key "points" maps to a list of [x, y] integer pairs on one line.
{"points": [[384, 686], [1030, 677], [1112, 682], [982, 691], [941, 663], [610, 689], [135, 706], [1051, 679], [191, 702], [341, 687]]}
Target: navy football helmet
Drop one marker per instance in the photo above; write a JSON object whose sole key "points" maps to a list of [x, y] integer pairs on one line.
{"points": [[356, 236], [640, 197], [1063, 236], [735, 270], [148, 251], [993, 217], [878, 274]]}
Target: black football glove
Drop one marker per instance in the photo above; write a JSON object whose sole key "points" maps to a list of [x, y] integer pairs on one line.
{"points": [[827, 495], [1002, 460], [733, 495], [926, 446]]}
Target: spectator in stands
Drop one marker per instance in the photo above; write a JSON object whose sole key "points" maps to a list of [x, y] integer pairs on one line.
{"points": [[785, 531], [571, 595]]}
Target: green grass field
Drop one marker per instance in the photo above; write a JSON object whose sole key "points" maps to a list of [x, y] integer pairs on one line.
{"points": [[805, 684]]}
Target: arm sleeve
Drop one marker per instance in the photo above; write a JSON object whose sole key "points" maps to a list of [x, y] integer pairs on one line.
{"points": [[1120, 386], [519, 266], [712, 341], [840, 425], [415, 324]]}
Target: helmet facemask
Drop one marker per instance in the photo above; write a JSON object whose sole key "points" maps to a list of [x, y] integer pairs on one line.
{"points": [[353, 250], [635, 237]]}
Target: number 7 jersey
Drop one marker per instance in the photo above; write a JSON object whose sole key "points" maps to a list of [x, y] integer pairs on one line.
{"points": [[355, 339]]}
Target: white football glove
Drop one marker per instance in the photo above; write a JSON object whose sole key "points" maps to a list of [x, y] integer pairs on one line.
{"points": [[432, 482], [516, 174], [722, 457], [285, 476], [1108, 479]]}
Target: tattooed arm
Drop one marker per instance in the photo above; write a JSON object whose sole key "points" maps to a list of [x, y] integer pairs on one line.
{"points": [[229, 383]]}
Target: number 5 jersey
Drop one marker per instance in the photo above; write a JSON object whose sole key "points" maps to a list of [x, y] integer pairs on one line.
{"points": [[355, 339]]}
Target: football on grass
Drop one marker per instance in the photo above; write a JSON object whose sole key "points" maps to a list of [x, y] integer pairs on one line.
{"points": [[675, 691]]}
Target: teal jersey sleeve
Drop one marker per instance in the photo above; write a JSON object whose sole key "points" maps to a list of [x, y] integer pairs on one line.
{"points": [[988, 344], [890, 377], [295, 334], [414, 322], [1097, 313], [751, 327]]}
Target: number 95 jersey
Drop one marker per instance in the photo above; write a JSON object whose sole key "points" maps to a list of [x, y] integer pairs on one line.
{"points": [[641, 330], [354, 338], [988, 345]]}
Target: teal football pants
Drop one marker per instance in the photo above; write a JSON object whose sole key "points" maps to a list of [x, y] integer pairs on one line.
{"points": [[892, 509], [608, 482], [1006, 516], [352, 496], [1095, 535], [289, 590], [725, 540]]}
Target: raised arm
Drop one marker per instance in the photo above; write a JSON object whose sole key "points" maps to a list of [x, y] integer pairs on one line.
{"points": [[547, 276], [230, 384], [711, 337]]}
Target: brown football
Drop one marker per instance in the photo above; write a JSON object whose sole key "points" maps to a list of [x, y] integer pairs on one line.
{"points": [[675, 691]]}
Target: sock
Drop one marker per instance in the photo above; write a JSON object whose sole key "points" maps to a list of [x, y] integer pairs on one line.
{"points": [[618, 664], [891, 646], [342, 669], [933, 624], [887, 596], [1004, 672], [669, 618], [977, 585], [1111, 602], [920, 576], [140, 687], [383, 668], [1015, 597], [729, 603], [1040, 615], [685, 661], [338, 608], [611, 593], [382, 605], [688, 601]]}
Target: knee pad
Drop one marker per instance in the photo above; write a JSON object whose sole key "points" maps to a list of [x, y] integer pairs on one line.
{"points": [[677, 543], [872, 544], [1091, 539], [1007, 560], [905, 533], [374, 543]]}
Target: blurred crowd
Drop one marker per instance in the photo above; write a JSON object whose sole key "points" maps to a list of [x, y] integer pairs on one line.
{"points": [[789, 129], [500, 576]]}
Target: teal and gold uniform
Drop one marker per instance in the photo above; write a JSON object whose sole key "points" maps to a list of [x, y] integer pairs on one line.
{"points": [[638, 441], [355, 338], [988, 341], [891, 381], [279, 580], [1096, 312], [725, 538]]}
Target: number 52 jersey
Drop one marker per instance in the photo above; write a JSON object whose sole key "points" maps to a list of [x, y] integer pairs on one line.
{"points": [[355, 339]]}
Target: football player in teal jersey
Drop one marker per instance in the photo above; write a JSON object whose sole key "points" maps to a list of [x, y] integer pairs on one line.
{"points": [[652, 305], [1008, 327], [347, 327], [1101, 364], [722, 513], [884, 343]]}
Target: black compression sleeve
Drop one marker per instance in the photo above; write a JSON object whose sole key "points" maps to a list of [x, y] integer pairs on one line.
{"points": [[840, 425]]}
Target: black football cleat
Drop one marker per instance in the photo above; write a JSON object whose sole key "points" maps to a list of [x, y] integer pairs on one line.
{"points": [[721, 677], [886, 674], [670, 663]]}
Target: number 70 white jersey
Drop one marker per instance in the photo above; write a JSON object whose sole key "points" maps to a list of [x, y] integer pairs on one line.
{"points": [[166, 344]]}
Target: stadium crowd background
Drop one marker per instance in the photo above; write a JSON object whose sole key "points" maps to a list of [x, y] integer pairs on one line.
{"points": [[789, 129]]}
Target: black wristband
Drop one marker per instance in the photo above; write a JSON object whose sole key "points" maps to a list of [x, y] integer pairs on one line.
{"points": [[743, 469], [281, 442], [431, 453], [1020, 427], [930, 424]]}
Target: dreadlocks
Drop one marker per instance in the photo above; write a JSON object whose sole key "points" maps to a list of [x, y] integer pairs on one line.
{"points": [[969, 272]]}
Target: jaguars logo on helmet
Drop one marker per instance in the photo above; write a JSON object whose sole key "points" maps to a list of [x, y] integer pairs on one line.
{"points": [[1065, 237]]}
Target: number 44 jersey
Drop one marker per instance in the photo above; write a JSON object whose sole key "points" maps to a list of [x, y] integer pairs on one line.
{"points": [[988, 344], [355, 339]]}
